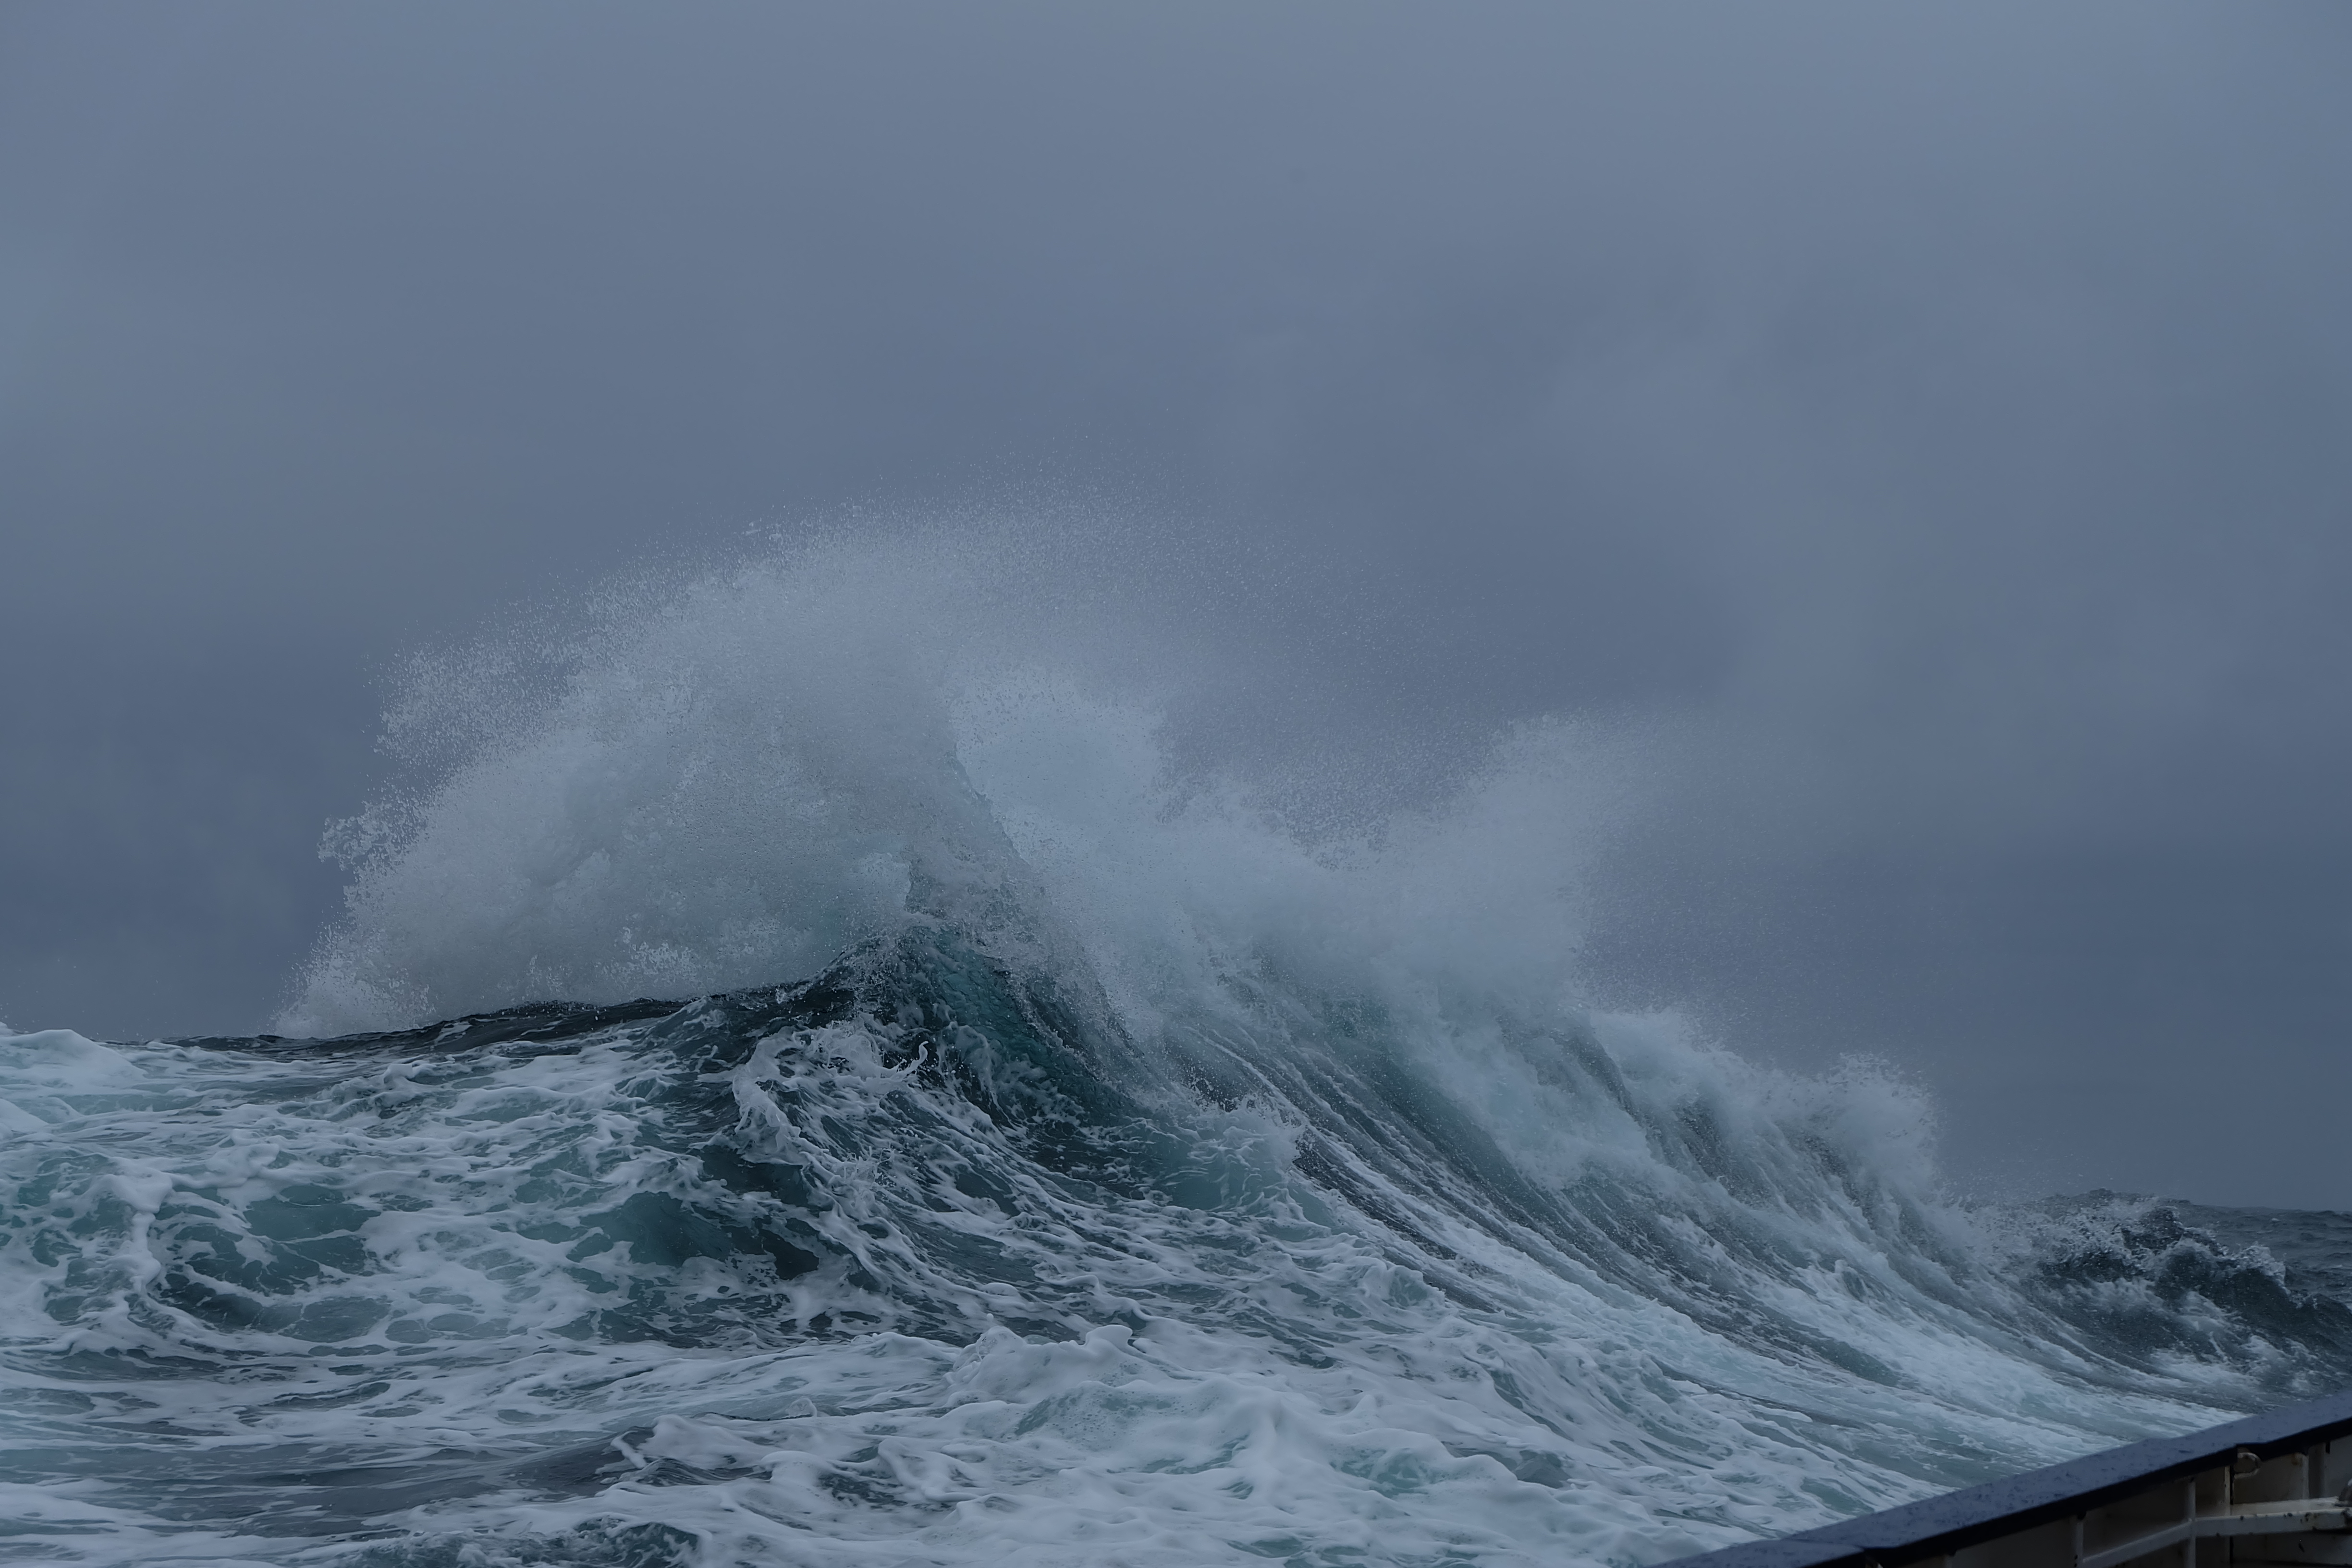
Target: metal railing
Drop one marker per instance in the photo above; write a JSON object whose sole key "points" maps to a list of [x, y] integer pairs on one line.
{"points": [[2273, 1489]]}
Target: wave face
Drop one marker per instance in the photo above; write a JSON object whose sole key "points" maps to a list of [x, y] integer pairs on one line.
{"points": [[1064, 1159]]}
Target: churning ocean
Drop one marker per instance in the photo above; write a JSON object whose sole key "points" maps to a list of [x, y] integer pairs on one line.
{"points": [[1036, 1153]]}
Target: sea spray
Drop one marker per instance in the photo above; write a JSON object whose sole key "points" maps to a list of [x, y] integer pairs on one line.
{"points": [[1047, 1150]]}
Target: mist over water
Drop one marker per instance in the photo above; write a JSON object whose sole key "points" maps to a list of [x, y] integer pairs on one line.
{"points": [[828, 1061], [722, 780]]}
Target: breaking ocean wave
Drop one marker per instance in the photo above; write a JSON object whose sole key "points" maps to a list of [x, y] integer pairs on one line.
{"points": [[1046, 1154]]}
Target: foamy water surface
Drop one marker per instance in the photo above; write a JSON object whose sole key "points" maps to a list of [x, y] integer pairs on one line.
{"points": [[1042, 1154]]}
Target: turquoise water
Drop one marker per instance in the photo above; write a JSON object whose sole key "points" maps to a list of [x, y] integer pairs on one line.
{"points": [[1046, 1156]]}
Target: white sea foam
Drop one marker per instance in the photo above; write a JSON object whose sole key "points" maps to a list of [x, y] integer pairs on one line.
{"points": [[1257, 1379], [1157, 1181]]}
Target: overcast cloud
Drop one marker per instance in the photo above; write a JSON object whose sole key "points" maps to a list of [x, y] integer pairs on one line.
{"points": [[1934, 421]]}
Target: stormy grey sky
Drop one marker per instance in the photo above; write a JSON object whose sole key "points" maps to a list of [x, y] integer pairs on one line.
{"points": [[1936, 418]]}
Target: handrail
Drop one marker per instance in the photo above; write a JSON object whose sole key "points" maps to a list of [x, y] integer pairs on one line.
{"points": [[2269, 1489]]}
